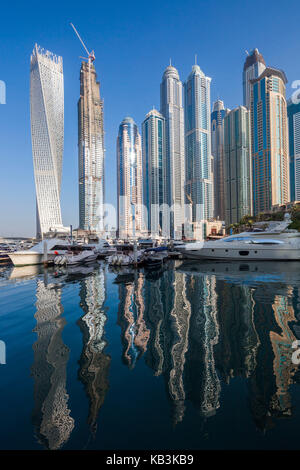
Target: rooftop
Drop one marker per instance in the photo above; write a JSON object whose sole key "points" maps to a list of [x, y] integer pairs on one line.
{"points": [[269, 72], [218, 105], [253, 58], [170, 71], [154, 112], [128, 120]]}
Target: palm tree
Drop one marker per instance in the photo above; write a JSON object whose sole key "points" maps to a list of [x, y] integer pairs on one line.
{"points": [[235, 227]]}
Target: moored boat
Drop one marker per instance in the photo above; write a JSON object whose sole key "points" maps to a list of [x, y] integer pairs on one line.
{"points": [[72, 258], [277, 242], [54, 247]]}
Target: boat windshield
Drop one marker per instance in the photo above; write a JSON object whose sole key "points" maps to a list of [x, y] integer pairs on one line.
{"points": [[237, 239], [264, 241]]}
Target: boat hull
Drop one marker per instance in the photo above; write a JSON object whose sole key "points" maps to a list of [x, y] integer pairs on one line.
{"points": [[29, 258], [249, 253]]}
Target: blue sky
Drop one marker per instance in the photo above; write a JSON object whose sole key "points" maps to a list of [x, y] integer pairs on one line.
{"points": [[133, 42]]}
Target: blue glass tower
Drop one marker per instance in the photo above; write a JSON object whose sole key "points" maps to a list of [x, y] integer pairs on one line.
{"points": [[154, 170], [172, 110], [217, 150], [269, 135], [237, 165], [198, 159], [129, 176]]}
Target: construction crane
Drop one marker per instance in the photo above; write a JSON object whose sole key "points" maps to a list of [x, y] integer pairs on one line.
{"points": [[91, 55], [90, 59]]}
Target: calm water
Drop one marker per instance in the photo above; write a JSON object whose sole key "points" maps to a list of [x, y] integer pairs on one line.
{"points": [[194, 356]]}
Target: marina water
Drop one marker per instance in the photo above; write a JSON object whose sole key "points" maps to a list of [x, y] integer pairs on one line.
{"points": [[193, 355]]}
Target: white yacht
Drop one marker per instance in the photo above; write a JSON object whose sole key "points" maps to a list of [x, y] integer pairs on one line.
{"points": [[35, 255], [277, 242]]}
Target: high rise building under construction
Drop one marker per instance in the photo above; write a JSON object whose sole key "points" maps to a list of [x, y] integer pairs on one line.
{"points": [[90, 150]]}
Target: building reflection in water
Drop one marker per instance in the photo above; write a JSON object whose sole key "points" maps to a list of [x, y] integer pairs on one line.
{"points": [[255, 319], [180, 324], [94, 363], [51, 415], [134, 333], [181, 315], [197, 326], [168, 316], [239, 341], [202, 380], [223, 321], [283, 366], [275, 371]]}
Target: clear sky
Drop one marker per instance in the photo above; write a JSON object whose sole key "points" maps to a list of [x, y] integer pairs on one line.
{"points": [[133, 41]]}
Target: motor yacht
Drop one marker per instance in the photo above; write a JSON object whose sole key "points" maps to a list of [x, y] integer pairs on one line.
{"points": [[72, 258], [276, 242], [104, 249], [35, 255]]}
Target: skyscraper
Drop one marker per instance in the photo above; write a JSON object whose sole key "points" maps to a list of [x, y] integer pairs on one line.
{"points": [[47, 135], [254, 65], [269, 134], [129, 176], [217, 150], [90, 150], [154, 170], [237, 165], [172, 110], [293, 111], [198, 159]]}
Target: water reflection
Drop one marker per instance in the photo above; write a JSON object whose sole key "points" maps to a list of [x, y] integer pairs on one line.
{"points": [[168, 317], [94, 363], [257, 325], [134, 333], [239, 341], [273, 375], [51, 415], [198, 326]]}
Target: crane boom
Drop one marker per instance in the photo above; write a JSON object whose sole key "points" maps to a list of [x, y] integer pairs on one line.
{"points": [[78, 35]]}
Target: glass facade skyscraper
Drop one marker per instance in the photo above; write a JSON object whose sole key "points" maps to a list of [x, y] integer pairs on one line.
{"points": [[269, 134], [293, 111], [172, 110], [237, 165], [154, 170], [217, 150], [198, 159], [254, 65], [129, 176], [47, 135]]}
